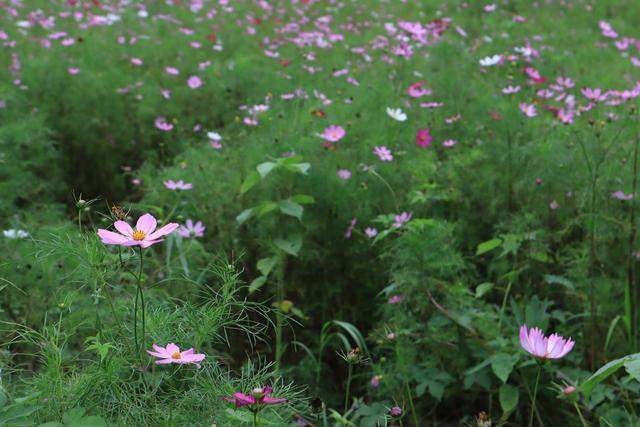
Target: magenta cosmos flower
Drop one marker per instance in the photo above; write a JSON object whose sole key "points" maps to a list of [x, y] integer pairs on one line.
{"points": [[333, 133], [172, 354], [536, 344], [423, 138], [144, 235], [258, 396]]}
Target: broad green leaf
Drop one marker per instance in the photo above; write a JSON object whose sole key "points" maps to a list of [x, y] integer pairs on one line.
{"points": [[265, 265], [291, 245], [633, 368], [265, 168], [508, 397], [483, 288], [604, 372], [291, 208], [248, 183], [257, 283], [264, 208], [487, 246], [244, 215], [303, 199], [502, 365]]}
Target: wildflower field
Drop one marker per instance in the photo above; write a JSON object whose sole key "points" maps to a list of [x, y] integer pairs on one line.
{"points": [[319, 213]]}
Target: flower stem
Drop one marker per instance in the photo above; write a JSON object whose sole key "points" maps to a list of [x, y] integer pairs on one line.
{"points": [[348, 387], [139, 297], [582, 420], [255, 418], [414, 415], [533, 398]]}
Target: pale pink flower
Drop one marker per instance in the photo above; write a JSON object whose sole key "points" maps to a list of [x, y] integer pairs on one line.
{"points": [[136, 61], [383, 153], [194, 82], [395, 299], [511, 89], [162, 124], [401, 219], [528, 110], [144, 235], [535, 343], [449, 143], [172, 354], [418, 90], [344, 174], [619, 195], [172, 71], [73, 70], [190, 229], [178, 185], [333, 133], [371, 232]]}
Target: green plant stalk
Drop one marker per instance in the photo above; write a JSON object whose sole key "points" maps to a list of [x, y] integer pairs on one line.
{"points": [[533, 398], [255, 418], [139, 297], [414, 415], [504, 304], [348, 387], [582, 420], [279, 321], [632, 289]]}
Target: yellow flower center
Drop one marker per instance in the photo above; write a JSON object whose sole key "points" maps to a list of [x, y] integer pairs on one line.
{"points": [[139, 235], [176, 355]]}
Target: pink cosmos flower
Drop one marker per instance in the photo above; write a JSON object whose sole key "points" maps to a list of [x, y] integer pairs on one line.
{"points": [[593, 94], [401, 219], [259, 396], [375, 381], [619, 195], [418, 90], [178, 185], [333, 133], [172, 71], [536, 344], [161, 123], [144, 235], [423, 138], [395, 299], [172, 354], [528, 110], [73, 70], [136, 61], [349, 231], [511, 89], [396, 411], [449, 143], [194, 82], [383, 153], [371, 232], [344, 174], [190, 229]]}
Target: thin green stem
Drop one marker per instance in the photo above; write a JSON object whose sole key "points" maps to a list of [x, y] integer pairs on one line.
{"points": [[255, 418], [504, 304], [348, 387], [582, 420], [533, 398], [414, 415]]}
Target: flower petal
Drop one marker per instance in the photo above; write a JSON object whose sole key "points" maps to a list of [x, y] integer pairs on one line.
{"points": [[146, 223], [124, 228], [111, 238], [163, 231]]}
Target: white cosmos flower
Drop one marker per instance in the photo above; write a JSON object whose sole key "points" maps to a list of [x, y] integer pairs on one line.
{"points": [[396, 114], [490, 61], [214, 136], [15, 234]]}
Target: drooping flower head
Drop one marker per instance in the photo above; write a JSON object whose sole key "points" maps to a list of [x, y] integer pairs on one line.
{"points": [[258, 397], [551, 347], [144, 235], [172, 354]]}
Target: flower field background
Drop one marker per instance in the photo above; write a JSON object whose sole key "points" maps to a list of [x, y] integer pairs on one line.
{"points": [[319, 213]]}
